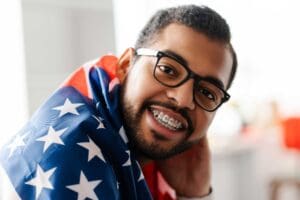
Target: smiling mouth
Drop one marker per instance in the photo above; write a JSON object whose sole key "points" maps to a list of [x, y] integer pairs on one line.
{"points": [[167, 121]]}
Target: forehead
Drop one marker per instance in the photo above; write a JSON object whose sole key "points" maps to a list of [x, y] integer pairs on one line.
{"points": [[204, 56]]}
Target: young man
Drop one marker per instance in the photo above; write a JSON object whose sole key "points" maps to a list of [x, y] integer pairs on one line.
{"points": [[154, 103]]}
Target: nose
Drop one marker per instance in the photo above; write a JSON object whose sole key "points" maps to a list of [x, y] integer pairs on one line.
{"points": [[183, 95]]}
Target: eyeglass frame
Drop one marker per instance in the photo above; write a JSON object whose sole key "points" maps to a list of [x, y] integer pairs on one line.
{"points": [[190, 74]]}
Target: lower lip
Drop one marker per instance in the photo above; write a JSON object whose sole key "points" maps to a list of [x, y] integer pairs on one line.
{"points": [[160, 129]]}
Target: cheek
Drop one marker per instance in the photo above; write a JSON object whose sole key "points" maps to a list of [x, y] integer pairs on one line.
{"points": [[138, 87], [202, 124]]}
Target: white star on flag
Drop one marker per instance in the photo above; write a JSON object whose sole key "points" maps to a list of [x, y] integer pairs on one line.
{"points": [[68, 107], [85, 188], [123, 134], [97, 105], [99, 120], [141, 172], [17, 142], [118, 185], [128, 162], [41, 180], [52, 137], [93, 150]]}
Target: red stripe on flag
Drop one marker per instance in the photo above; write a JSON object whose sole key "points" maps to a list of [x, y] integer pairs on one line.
{"points": [[109, 63], [78, 81]]}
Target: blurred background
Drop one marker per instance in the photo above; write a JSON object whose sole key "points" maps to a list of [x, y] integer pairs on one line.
{"points": [[255, 138]]}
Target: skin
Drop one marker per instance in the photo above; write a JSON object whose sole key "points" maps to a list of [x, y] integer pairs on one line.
{"points": [[188, 172]]}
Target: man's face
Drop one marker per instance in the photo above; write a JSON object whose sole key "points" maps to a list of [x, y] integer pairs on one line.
{"points": [[144, 98]]}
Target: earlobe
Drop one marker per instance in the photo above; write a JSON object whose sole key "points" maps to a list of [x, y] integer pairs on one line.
{"points": [[124, 63]]}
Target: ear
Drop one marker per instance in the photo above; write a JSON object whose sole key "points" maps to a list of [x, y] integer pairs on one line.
{"points": [[124, 63]]}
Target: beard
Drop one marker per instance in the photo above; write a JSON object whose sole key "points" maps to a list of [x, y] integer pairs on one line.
{"points": [[132, 124]]}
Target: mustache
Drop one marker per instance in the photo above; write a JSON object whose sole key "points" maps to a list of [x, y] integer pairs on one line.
{"points": [[182, 111]]}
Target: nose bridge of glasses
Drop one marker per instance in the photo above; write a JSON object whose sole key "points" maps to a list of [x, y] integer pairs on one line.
{"points": [[183, 94]]}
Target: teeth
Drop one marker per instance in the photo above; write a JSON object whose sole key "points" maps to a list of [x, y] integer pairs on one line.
{"points": [[166, 120]]}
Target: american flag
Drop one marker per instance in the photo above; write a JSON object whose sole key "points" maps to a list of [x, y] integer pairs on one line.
{"points": [[75, 146]]}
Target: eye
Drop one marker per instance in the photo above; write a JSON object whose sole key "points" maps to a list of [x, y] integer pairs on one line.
{"points": [[167, 69], [208, 94]]}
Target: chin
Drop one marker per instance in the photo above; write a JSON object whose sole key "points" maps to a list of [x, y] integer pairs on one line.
{"points": [[156, 149]]}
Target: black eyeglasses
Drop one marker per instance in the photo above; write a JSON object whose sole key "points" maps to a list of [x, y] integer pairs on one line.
{"points": [[171, 72]]}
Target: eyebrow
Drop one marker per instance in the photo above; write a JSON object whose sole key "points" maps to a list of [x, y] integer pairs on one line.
{"points": [[176, 56], [184, 62], [214, 81]]}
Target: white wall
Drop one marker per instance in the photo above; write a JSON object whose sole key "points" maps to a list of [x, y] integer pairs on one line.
{"points": [[59, 37], [13, 101]]}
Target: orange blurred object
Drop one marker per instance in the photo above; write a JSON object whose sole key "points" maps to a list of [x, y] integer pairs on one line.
{"points": [[291, 132]]}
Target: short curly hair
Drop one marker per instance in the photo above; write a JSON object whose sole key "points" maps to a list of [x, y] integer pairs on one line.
{"points": [[200, 18]]}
